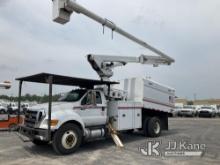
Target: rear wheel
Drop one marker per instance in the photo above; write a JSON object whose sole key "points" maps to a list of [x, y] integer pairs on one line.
{"points": [[152, 127], [67, 139]]}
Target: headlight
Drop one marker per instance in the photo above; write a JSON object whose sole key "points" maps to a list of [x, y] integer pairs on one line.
{"points": [[53, 122]]}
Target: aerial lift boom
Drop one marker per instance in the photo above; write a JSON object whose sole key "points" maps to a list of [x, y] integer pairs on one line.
{"points": [[104, 64], [62, 10]]}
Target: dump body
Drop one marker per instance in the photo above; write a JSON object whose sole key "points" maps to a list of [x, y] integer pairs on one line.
{"points": [[152, 95]]}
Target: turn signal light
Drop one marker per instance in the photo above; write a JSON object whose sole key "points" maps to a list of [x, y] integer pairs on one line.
{"points": [[54, 122]]}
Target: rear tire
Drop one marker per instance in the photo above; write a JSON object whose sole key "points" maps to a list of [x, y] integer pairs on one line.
{"points": [[152, 127], [67, 139]]}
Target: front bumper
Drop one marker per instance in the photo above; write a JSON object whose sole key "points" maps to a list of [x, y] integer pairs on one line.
{"points": [[34, 133], [205, 114]]}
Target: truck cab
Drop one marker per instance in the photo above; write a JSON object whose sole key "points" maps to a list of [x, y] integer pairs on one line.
{"points": [[87, 107], [80, 114], [90, 105]]}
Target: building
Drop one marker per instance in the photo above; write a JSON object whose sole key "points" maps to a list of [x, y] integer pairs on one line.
{"points": [[181, 101], [207, 102]]}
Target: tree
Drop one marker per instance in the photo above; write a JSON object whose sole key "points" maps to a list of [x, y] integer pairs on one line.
{"points": [[190, 103]]}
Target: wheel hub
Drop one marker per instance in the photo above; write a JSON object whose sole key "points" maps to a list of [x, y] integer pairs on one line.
{"points": [[69, 139], [157, 128]]}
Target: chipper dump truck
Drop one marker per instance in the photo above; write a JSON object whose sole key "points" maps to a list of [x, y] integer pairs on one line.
{"points": [[98, 108]]}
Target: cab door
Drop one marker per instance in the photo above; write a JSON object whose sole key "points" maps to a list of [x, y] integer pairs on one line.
{"points": [[93, 109]]}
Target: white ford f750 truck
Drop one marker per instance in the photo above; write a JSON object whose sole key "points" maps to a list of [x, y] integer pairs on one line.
{"points": [[98, 107]]}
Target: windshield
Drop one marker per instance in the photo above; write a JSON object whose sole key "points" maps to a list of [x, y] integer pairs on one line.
{"points": [[73, 96]]}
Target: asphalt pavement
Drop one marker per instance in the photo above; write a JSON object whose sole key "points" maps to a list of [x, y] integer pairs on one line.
{"points": [[186, 137]]}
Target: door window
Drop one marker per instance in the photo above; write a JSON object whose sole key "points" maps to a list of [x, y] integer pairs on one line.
{"points": [[98, 98], [88, 99]]}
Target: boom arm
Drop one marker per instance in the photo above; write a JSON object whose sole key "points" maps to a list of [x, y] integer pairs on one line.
{"points": [[62, 10], [104, 64]]}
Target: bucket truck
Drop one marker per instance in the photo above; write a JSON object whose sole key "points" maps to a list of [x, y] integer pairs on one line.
{"points": [[98, 107]]}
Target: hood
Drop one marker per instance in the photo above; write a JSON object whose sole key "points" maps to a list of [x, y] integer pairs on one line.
{"points": [[56, 106], [209, 110], [187, 109]]}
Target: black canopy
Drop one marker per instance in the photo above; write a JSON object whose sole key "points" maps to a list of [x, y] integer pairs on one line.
{"points": [[64, 80]]}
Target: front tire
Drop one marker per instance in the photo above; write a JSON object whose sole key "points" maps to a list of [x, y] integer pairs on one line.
{"points": [[67, 139]]}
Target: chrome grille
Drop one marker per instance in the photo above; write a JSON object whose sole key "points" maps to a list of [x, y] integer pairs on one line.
{"points": [[31, 118]]}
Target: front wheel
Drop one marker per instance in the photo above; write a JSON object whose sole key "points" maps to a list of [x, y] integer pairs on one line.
{"points": [[67, 139], [152, 127]]}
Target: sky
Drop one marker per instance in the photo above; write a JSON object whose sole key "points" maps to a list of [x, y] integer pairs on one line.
{"points": [[188, 31]]}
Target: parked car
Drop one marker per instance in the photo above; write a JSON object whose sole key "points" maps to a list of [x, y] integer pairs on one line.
{"points": [[187, 110], [12, 108], [2, 109], [174, 112], [207, 111], [24, 107]]}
